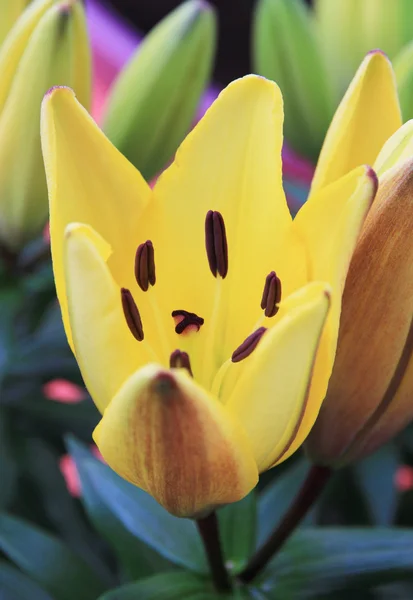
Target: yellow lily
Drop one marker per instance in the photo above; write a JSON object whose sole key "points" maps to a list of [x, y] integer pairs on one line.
{"points": [[198, 311]]}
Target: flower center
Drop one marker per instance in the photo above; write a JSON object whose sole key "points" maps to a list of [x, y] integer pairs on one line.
{"points": [[186, 322]]}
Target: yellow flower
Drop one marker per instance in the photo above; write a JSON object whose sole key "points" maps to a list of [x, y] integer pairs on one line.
{"points": [[196, 309]]}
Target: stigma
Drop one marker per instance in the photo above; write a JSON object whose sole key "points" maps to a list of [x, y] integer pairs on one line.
{"points": [[186, 322]]}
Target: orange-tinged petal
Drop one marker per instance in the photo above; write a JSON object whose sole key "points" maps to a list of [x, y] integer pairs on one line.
{"points": [[165, 434], [375, 321], [367, 116], [89, 182], [105, 349]]}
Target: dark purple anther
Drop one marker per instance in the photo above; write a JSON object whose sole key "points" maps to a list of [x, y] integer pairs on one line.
{"points": [[271, 295], [216, 243], [248, 345], [180, 360], [145, 265], [132, 315]]}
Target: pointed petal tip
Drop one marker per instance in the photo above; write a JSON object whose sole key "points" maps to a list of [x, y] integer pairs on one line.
{"points": [[372, 175], [57, 91]]}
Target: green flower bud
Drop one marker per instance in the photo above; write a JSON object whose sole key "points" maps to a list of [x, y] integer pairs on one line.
{"points": [[154, 100], [48, 46]]}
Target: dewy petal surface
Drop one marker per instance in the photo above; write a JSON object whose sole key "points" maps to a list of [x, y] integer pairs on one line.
{"points": [[165, 434], [366, 117], [270, 396], [89, 182], [231, 163], [105, 349]]}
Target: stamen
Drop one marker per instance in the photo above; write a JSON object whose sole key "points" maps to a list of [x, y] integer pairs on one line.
{"points": [[132, 315], [180, 360], [185, 319], [145, 265], [271, 295], [248, 345], [216, 243]]}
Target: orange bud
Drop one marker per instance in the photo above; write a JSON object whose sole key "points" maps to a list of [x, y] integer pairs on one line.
{"points": [[165, 434], [369, 397]]}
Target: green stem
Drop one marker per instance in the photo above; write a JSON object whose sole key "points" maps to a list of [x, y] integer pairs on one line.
{"points": [[312, 487], [209, 530]]}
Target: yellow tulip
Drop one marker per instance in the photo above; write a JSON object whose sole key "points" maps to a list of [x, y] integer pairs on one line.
{"points": [[369, 396], [199, 311]]}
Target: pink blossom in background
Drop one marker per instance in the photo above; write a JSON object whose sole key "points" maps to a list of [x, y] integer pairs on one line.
{"points": [[403, 478], [63, 391], [70, 473]]}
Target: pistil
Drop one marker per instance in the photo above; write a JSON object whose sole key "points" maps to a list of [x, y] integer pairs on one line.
{"points": [[180, 360], [186, 321]]}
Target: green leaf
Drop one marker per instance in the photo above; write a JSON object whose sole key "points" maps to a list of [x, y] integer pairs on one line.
{"points": [[154, 101], [276, 498], [42, 466], [13, 584], [237, 529], [316, 562], [137, 560], [8, 467], [375, 477], [165, 586], [47, 560], [10, 299], [175, 539]]}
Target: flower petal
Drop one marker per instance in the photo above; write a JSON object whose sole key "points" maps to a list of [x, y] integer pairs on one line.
{"points": [[89, 182], [270, 397], [105, 349], [375, 320], [165, 434], [367, 116], [338, 211], [397, 149]]}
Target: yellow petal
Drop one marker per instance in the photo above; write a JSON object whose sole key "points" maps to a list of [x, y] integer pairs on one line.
{"points": [[15, 44], [397, 149], [10, 12], [270, 397], [329, 224], [231, 163], [367, 116], [375, 321], [165, 434], [89, 182], [105, 349]]}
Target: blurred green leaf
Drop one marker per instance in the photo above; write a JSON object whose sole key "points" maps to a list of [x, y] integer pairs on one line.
{"points": [[175, 539], [136, 558], [47, 560], [153, 103], [16, 586], [285, 49], [375, 477], [42, 466], [8, 466], [166, 586], [10, 299], [403, 68], [342, 502], [237, 529], [276, 498], [317, 562]]}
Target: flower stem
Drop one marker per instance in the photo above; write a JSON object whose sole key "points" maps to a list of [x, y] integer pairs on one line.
{"points": [[312, 487], [209, 530]]}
